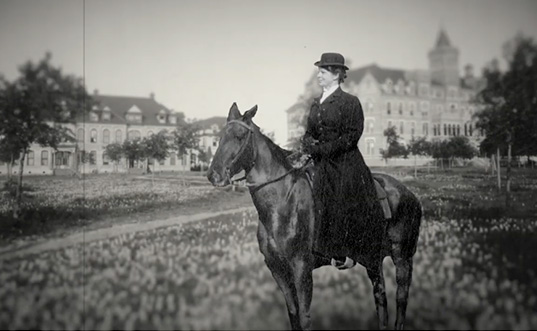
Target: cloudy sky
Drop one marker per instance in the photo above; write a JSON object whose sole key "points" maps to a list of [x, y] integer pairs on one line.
{"points": [[200, 56]]}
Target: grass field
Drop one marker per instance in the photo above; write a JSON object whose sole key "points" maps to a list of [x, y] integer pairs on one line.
{"points": [[474, 269]]}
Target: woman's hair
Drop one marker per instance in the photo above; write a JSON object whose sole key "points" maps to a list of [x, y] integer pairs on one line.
{"points": [[337, 70]]}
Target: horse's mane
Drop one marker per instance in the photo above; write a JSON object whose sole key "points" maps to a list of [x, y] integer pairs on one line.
{"points": [[280, 154]]}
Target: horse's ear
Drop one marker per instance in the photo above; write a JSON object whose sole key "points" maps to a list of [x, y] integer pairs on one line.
{"points": [[234, 112], [250, 113]]}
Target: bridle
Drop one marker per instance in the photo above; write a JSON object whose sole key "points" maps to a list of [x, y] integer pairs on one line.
{"points": [[250, 137]]}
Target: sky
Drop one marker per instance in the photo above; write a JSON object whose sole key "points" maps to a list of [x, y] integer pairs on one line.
{"points": [[198, 57]]}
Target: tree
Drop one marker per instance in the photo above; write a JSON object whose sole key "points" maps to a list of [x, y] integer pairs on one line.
{"points": [[440, 151], [184, 138], [34, 109], [395, 148], [156, 147], [133, 150], [509, 100], [419, 147], [460, 147], [114, 152]]}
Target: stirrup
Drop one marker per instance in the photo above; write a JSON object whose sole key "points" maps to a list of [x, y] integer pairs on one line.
{"points": [[349, 263]]}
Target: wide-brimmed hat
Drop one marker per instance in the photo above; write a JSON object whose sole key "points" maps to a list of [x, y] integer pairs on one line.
{"points": [[331, 59]]}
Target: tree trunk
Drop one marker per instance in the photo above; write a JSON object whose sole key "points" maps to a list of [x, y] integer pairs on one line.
{"points": [[508, 178], [498, 169], [18, 197], [10, 168], [415, 167]]}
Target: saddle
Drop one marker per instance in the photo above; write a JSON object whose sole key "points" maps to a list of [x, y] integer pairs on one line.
{"points": [[381, 192]]}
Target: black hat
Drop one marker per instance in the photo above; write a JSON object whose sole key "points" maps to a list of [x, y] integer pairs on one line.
{"points": [[332, 59]]}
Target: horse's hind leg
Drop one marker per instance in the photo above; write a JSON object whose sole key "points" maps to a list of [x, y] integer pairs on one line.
{"points": [[403, 277], [377, 280]]}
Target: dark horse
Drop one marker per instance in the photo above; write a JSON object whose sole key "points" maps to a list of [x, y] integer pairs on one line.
{"points": [[283, 198]]}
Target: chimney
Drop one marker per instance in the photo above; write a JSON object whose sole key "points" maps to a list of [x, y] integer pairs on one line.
{"points": [[152, 96], [96, 92]]}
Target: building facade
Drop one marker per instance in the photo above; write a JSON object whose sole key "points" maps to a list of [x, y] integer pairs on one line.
{"points": [[436, 103], [208, 137], [113, 120]]}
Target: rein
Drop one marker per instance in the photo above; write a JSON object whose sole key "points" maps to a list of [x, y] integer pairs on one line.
{"points": [[256, 186]]}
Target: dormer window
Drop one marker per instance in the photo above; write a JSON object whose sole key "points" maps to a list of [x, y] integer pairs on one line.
{"points": [[93, 116], [134, 115], [106, 114], [161, 116], [173, 119], [214, 128]]}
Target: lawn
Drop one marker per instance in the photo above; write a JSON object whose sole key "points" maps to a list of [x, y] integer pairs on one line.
{"points": [[55, 206], [474, 269]]}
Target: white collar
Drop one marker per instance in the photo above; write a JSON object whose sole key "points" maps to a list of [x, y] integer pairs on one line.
{"points": [[328, 92]]}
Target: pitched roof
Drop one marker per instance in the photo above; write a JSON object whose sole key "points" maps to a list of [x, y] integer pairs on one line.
{"points": [[208, 122], [120, 105], [380, 74]]}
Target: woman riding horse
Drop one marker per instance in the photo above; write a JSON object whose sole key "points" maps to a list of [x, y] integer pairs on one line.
{"points": [[347, 209]]}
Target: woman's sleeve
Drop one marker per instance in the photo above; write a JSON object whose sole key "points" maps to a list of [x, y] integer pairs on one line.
{"points": [[352, 126]]}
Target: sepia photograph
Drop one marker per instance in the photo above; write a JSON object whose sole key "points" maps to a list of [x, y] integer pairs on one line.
{"points": [[268, 165]]}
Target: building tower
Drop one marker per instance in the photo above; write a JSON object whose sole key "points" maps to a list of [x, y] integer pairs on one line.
{"points": [[444, 62]]}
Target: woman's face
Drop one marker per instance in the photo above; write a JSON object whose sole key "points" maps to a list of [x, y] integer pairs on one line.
{"points": [[326, 78]]}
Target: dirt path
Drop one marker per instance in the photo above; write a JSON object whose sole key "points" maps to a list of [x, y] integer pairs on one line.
{"points": [[106, 233]]}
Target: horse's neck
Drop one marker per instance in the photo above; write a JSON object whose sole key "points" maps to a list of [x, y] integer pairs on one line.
{"points": [[266, 166]]}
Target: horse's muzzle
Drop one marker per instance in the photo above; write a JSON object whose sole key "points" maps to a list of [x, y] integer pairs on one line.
{"points": [[216, 179]]}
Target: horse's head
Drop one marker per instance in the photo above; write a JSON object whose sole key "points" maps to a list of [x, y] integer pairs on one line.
{"points": [[236, 151]]}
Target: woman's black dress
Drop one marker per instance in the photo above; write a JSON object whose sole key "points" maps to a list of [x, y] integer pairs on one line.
{"points": [[350, 221]]}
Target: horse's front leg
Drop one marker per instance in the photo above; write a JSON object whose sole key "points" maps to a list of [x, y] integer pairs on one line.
{"points": [[302, 267], [284, 278], [282, 274]]}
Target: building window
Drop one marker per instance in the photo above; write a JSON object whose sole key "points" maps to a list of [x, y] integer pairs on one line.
{"points": [[389, 124], [44, 158], [172, 159], [80, 135], [370, 145], [412, 128], [470, 129], [106, 116], [106, 159], [93, 158], [424, 106], [161, 162], [106, 136], [183, 159], [458, 130], [119, 136], [445, 130], [30, 158], [388, 108], [215, 142], [425, 128], [93, 136], [400, 108], [134, 134], [401, 127], [369, 126]]}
